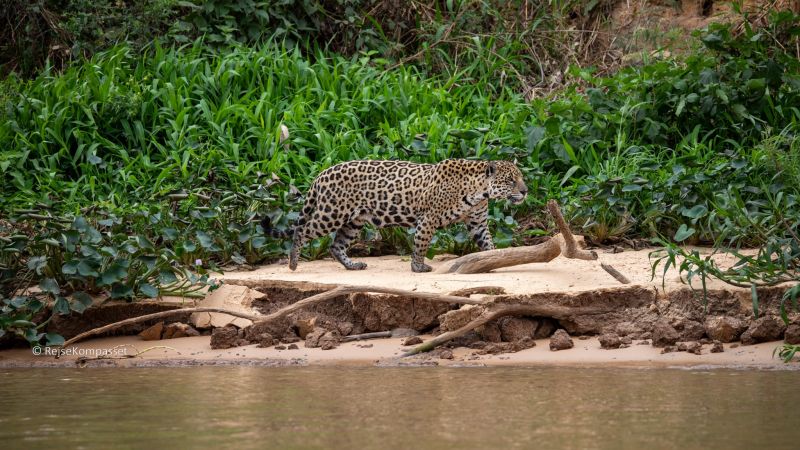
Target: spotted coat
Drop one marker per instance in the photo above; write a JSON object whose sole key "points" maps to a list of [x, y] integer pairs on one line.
{"points": [[399, 193]]}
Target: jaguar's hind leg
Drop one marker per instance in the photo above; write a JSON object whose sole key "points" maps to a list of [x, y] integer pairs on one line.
{"points": [[303, 234], [340, 244]]}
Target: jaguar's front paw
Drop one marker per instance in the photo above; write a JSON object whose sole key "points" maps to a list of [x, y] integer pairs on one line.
{"points": [[420, 267], [357, 266]]}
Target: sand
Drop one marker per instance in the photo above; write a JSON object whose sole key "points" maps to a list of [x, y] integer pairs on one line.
{"points": [[559, 275]]}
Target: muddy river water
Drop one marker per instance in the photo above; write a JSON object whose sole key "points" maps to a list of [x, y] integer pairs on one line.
{"points": [[373, 407]]}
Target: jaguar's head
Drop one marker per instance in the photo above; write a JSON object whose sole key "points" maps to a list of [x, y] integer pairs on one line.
{"points": [[506, 181]]}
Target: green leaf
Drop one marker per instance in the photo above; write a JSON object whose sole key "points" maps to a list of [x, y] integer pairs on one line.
{"points": [[696, 212], [533, 137], [61, 306], [167, 277], [683, 233], [189, 246], [569, 173], [465, 134], [148, 290], [32, 336], [70, 268], [80, 301], [631, 188], [37, 263], [144, 242], [80, 224], [50, 286], [115, 273], [681, 104], [756, 84], [121, 291], [54, 340], [170, 234], [259, 241], [206, 241], [86, 270]]}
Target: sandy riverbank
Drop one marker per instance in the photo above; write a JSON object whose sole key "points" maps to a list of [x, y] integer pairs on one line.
{"points": [[196, 351], [562, 277]]}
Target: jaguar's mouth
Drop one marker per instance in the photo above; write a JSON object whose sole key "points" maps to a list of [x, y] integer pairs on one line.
{"points": [[516, 198]]}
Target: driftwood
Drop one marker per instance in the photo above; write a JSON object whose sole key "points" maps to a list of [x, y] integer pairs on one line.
{"points": [[562, 243], [397, 332]]}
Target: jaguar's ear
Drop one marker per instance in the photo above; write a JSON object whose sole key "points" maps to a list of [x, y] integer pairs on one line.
{"points": [[491, 169]]}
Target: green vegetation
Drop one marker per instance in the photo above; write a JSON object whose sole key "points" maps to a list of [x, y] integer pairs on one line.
{"points": [[135, 171]]}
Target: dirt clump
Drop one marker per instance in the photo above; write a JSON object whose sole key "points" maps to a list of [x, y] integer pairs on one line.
{"points": [[690, 347], [765, 329], [561, 340], [446, 354], [690, 330], [457, 318], [664, 334], [628, 329], [609, 341], [546, 328], [384, 312], [724, 328], [494, 348], [413, 340], [513, 329], [179, 330], [304, 326], [153, 333], [275, 329], [266, 340], [792, 334], [324, 339], [491, 332], [330, 340], [716, 347], [313, 337], [292, 347], [227, 337]]}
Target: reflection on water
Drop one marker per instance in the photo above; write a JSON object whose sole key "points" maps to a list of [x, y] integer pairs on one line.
{"points": [[327, 407]]}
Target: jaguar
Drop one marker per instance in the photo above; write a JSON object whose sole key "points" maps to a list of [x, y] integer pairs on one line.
{"points": [[345, 197]]}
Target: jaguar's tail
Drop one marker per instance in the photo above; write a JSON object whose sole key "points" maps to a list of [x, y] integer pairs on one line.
{"points": [[266, 225]]}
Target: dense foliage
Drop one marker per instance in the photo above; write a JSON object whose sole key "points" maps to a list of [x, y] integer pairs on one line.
{"points": [[132, 171]]}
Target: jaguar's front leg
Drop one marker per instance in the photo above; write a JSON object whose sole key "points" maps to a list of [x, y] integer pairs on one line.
{"points": [[422, 240], [478, 226]]}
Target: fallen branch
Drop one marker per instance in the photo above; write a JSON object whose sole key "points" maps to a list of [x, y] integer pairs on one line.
{"points": [[397, 332], [561, 244], [496, 311], [615, 273]]}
